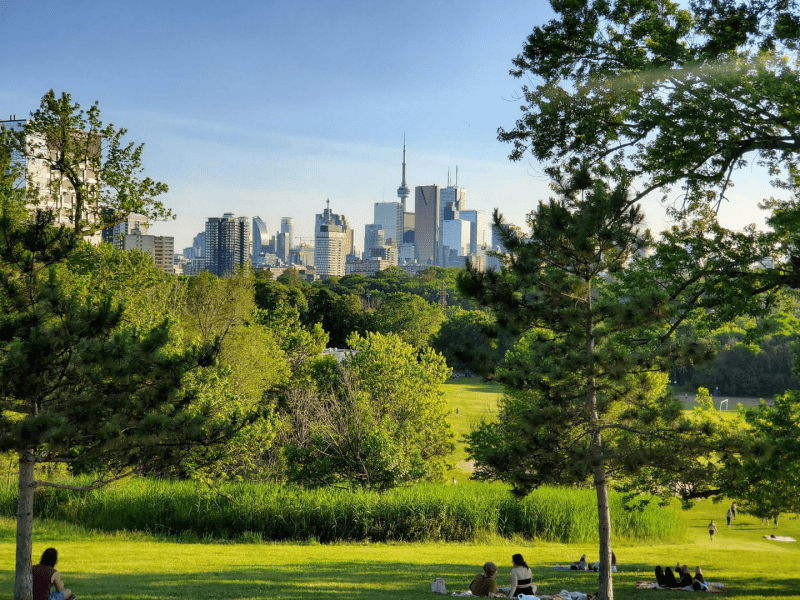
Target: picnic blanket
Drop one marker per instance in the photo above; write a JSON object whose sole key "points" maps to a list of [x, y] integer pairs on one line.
{"points": [[653, 585], [779, 538]]}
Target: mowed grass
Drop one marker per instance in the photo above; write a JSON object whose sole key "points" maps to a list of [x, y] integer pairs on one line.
{"points": [[475, 400], [106, 567]]}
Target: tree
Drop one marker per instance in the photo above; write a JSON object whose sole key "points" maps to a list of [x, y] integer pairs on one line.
{"points": [[762, 476], [413, 319], [71, 155], [667, 94], [81, 388], [377, 421], [469, 339], [587, 379]]}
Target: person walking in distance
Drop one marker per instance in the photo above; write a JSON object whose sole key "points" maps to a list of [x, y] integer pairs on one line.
{"points": [[712, 529], [728, 517], [733, 510]]}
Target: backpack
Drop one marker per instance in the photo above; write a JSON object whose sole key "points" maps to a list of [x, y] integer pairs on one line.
{"points": [[438, 586]]}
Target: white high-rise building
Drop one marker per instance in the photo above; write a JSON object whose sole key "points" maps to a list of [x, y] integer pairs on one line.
{"points": [[478, 238], [329, 251], [133, 222], [55, 191], [455, 241], [329, 217]]}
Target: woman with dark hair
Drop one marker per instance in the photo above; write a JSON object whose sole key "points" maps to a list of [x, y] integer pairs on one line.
{"points": [[45, 576], [521, 578]]}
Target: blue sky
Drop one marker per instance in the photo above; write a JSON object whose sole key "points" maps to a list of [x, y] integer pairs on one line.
{"points": [[269, 108]]}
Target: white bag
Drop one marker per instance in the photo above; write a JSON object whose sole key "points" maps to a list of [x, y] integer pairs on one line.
{"points": [[438, 586]]}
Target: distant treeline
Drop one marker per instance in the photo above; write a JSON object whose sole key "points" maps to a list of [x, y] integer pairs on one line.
{"points": [[755, 357]]}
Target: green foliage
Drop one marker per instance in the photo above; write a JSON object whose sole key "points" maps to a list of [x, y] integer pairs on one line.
{"points": [[413, 319], [86, 159], [763, 476], [469, 340], [666, 93], [426, 512], [379, 424]]}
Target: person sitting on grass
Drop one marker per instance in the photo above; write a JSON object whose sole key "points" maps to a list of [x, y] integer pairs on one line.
{"points": [[45, 576], [521, 578], [485, 584], [580, 565], [596, 565]]}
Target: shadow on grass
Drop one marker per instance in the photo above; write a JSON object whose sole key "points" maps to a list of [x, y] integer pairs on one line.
{"points": [[364, 581]]}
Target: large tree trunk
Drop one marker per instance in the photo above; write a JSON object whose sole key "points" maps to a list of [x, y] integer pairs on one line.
{"points": [[23, 583], [605, 588], [606, 585]]}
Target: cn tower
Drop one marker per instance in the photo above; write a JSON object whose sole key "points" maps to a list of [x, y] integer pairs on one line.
{"points": [[403, 191]]}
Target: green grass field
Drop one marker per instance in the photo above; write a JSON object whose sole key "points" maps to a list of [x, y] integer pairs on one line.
{"points": [[475, 399], [134, 566], [106, 567]]}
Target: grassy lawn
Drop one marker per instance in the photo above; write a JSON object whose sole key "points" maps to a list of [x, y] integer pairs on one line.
{"points": [[475, 399], [105, 567]]}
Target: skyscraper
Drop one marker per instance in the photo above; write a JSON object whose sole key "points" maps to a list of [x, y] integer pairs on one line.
{"points": [[227, 244], [260, 239], [477, 219], [452, 200], [287, 226], [374, 237], [329, 217], [426, 225], [389, 215]]}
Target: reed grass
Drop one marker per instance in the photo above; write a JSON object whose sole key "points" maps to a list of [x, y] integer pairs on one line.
{"points": [[249, 512]]}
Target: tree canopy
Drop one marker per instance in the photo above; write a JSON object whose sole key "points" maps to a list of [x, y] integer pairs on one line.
{"points": [[669, 94]]}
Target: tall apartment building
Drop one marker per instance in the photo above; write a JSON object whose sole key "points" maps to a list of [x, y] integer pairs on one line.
{"points": [[55, 191], [160, 248], [427, 210], [228, 244], [330, 251]]}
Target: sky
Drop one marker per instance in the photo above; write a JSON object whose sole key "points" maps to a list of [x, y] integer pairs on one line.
{"points": [[269, 108]]}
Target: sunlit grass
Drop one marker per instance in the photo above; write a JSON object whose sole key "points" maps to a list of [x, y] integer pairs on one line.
{"points": [[111, 566]]}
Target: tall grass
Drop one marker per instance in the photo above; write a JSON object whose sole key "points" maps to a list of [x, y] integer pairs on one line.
{"points": [[429, 512]]}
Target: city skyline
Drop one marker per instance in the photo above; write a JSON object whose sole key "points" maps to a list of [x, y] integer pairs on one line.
{"points": [[269, 109]]}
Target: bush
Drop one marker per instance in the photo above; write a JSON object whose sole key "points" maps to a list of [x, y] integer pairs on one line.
{"points": [[428, 512]]}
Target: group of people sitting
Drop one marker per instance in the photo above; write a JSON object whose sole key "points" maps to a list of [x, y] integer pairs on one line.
{"points": [[485, 584], [666, 578]]}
